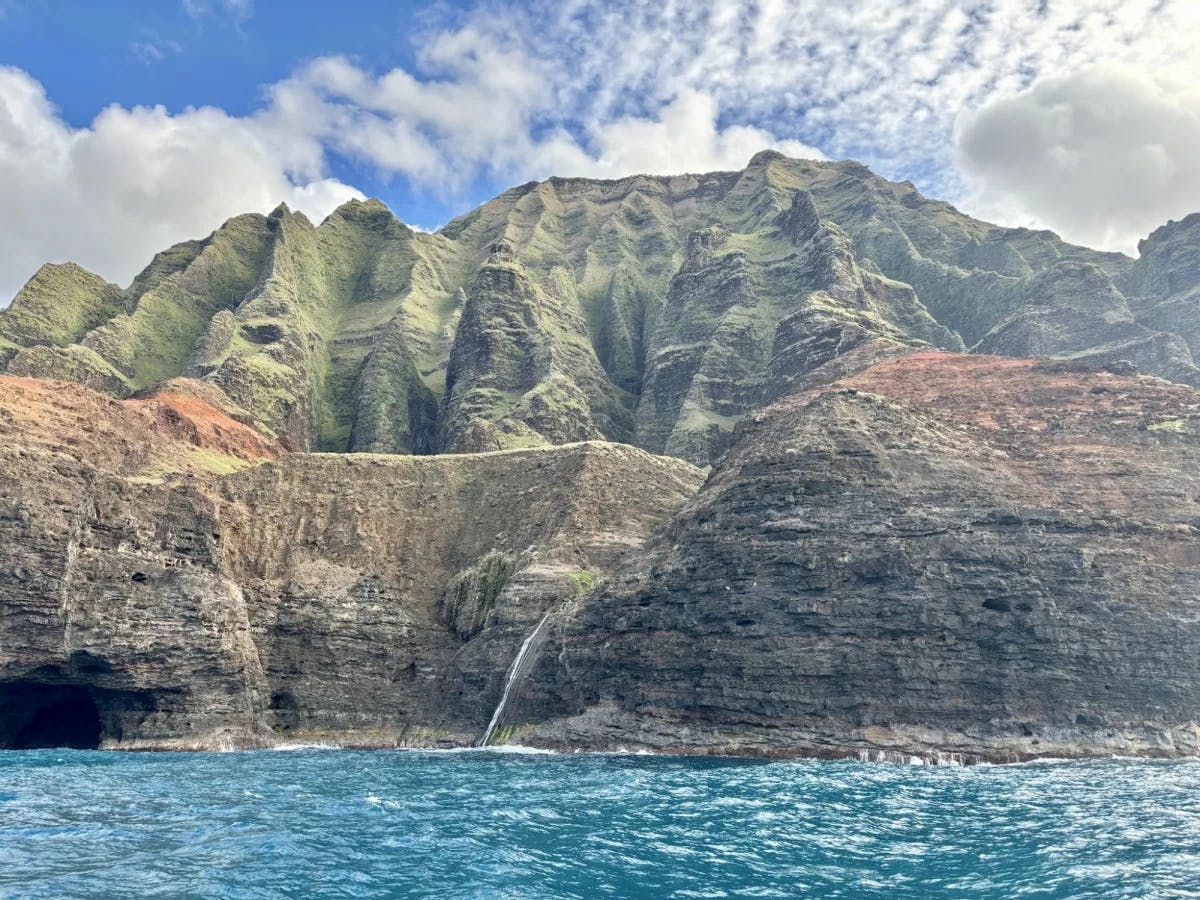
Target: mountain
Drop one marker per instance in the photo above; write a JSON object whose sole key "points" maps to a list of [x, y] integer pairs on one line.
{"points": [[952, 557], [656, 311], [944, 514]]}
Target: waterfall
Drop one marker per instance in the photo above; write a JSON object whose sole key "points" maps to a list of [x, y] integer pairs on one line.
{"points": [[515, 671]]}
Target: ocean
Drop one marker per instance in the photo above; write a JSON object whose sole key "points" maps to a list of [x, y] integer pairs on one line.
{"points": [[328, 823]]}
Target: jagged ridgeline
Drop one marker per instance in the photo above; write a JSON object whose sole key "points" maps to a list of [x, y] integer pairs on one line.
{"points": [[652, 310]]}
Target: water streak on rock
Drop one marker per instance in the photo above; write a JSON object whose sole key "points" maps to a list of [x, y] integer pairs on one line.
{"points": [[519, 664]]}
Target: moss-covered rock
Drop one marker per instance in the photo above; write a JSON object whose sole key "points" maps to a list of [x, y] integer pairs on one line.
{"points": [[522, 371], [58, 306], [657, 310]]}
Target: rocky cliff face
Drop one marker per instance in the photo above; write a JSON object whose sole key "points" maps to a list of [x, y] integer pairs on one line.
{"points": [[231, 600], [957, 557], [897, 550], [942, 555], [651, 310]]}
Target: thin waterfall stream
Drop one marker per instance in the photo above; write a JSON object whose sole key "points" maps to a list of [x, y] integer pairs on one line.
{"points": [[515, 671]]}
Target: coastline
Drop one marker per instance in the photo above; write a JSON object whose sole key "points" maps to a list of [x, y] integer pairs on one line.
{"points": [[529, 741]]}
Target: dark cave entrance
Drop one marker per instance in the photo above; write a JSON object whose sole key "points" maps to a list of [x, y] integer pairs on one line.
{"points": [[34, 716]]}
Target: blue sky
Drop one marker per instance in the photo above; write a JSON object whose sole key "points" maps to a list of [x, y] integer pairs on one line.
{"points": [[127, 126], [89, 55]]}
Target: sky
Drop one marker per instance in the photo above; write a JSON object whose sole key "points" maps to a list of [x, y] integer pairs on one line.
{"points": [[128, 126]]}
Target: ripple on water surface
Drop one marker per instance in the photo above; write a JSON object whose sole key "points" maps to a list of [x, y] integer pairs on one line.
{"points": [[482, 824]]}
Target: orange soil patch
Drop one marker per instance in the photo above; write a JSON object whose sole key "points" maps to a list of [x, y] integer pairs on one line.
{"points": [[1022, 395], [196, 422], [1074, 435], [125, 436]]}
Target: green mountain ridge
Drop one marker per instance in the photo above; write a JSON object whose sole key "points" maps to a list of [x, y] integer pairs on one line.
{"points": [[652, 310]]}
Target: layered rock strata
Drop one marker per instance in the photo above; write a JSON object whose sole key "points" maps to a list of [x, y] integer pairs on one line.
{"points": [[951, 557], [363, 600], [964, 558]]}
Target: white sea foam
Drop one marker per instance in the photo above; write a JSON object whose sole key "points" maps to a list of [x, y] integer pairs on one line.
{"points": [[521, 749], [507, 749]]}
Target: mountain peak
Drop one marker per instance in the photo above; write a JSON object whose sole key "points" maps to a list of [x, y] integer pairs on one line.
{"points": [[369, 213], [763, 158], [369, 204]]}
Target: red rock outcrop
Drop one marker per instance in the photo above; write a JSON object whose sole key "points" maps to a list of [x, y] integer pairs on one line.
{"points": [[164, 431]]}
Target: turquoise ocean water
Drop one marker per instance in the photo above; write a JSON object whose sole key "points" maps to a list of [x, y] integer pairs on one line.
{"points": [[488, 824]]}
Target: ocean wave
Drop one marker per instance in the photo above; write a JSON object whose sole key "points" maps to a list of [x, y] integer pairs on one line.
{"points": [[477, 821]]}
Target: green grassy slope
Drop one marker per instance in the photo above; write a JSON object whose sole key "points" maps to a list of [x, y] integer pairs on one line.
{"points": [[653, 309]]}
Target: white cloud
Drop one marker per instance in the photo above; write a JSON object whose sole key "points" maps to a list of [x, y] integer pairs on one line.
{"points": [[134, 182], [238, 10], [152, 51], [683, 137], [511, 91], [475, 109], [1103, 155], [482, 113]]}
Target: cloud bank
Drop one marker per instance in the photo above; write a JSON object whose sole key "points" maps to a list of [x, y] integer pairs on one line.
{"points": [[1104, 155], [487, 111]]}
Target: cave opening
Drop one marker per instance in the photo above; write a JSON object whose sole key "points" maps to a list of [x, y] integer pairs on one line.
{"points": [[35, 716]]}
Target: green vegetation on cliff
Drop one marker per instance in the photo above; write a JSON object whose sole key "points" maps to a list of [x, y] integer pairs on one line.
{"points": [[654, 310], [57, 307]]}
